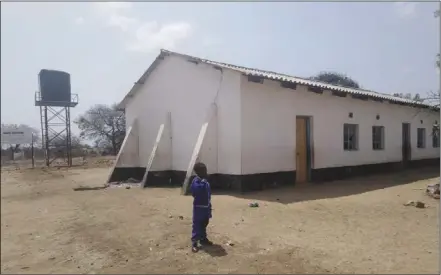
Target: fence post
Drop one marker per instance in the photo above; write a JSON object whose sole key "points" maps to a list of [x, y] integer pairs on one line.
{"points": [[32, 150]]}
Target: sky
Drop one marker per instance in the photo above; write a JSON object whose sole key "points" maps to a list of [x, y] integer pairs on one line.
{"points": [[106, 46]]}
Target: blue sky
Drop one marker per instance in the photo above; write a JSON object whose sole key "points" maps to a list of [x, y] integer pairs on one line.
{"points": [[386, 47]]}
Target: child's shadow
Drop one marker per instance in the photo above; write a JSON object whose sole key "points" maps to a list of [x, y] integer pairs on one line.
{"points": [[215, 250]]}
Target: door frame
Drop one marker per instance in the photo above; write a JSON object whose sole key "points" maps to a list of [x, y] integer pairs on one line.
{"points": [[309, 145]]}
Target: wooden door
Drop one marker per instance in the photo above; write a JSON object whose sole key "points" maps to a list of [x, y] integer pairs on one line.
{"points": [[406, 143], [301, 150]]}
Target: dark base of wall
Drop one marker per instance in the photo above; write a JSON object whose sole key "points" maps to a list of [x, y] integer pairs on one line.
{"points": [[124, 173], [156, 178], [338, 173], [254, 182]]}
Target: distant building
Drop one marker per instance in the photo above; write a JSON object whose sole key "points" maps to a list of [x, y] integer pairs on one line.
{"points": [[265, 128]]}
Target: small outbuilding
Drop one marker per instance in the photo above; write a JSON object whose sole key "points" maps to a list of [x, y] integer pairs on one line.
{"points": [[254, 128]]}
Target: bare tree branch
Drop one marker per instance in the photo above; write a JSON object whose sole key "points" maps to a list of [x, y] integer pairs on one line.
{"points": [[103, 124]]}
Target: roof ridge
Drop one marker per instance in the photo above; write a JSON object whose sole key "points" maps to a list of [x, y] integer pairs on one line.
{"points": [[298, 79], [273, 72]]}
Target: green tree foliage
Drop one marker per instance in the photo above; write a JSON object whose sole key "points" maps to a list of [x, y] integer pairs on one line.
{"points": [[336, 79]]}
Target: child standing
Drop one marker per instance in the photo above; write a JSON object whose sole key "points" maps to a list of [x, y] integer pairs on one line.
{"points": [[200, 189]]}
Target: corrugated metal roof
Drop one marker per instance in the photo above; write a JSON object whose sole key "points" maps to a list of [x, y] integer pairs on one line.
{"points": [[282, 77]]}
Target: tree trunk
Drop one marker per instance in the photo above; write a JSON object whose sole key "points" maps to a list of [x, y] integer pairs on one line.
{"points": [[12, 153], [114, 147]]}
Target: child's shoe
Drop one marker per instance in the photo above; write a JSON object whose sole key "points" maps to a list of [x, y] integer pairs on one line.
{"points": [[194, 247]]}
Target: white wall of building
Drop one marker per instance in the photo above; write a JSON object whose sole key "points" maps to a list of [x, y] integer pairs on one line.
{"points": [[187, 90], [269, 131], [254, 127]]}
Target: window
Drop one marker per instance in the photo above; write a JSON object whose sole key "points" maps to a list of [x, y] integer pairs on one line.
{"points": [[421, 138], [350, 137], [435, 139], [378, 137]]}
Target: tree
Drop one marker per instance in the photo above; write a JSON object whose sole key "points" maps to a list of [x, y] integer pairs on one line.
{"points": [[416, 97], [438, 63], [103, 146], [60, 141], [103, 124], [336, 79], [60, 147]]}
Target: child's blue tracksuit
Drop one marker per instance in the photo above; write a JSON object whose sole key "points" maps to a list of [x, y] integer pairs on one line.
{"points": [[200, 189]]}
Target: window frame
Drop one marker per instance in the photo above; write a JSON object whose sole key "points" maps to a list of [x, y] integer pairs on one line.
{"points": [[380, 142], [435, 140], [350, 145]]}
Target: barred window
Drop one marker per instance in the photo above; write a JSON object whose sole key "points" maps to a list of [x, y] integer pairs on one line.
{"points": [[378, 137], [421, 138], [350, 137]]}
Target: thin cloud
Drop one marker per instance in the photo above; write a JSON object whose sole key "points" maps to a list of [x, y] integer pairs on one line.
{"points": [[151, 36], [408, 69], [210, 41], [405, 9], [79, 20], [114, 14], [144, 36]]}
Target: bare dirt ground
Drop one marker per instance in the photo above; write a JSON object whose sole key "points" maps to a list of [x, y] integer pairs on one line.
{"points": [[354, 226]]}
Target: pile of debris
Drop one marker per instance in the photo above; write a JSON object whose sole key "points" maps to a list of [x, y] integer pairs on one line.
{"points": [[433, 190], [129, 183], [417, 204]]}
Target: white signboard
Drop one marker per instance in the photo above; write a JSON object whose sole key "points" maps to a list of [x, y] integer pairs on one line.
{"points": [[16, 135], [19, 156]]}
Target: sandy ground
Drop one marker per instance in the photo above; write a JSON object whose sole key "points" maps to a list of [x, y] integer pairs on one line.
{"points": [[355, 226]]}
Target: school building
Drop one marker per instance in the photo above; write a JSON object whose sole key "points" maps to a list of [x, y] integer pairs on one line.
{"points": [[255, 128]]}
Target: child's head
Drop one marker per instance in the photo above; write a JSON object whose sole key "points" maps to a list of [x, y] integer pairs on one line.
{"points": [[200, 169]]}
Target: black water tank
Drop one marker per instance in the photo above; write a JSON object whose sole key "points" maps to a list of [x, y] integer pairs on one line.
{"points": [[54, 87]]}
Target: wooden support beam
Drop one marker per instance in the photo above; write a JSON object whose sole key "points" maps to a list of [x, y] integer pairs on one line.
{"points": [[121, 149], [212, 114], [152, 155]]}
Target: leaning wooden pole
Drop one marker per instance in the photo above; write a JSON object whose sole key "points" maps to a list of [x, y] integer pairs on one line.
{"points": [[121, 149], [197, 148], [152, 155], [194, 157]]}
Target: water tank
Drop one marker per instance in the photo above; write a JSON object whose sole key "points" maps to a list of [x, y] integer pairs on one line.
{"points": [[54, 87]]}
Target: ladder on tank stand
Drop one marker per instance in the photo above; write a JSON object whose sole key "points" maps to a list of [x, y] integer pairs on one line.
{"points": [[43, 130], [50, 135]]}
